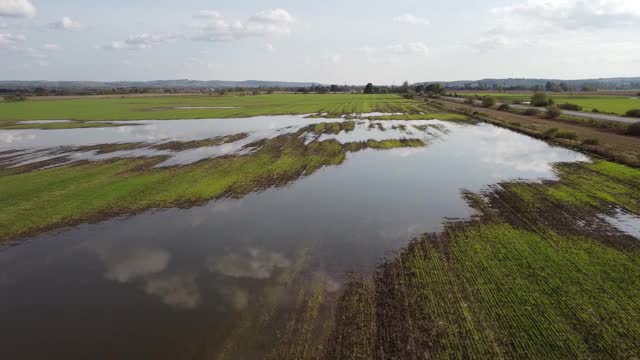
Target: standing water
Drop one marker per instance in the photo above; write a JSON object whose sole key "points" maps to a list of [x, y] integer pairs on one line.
{"points": [[228, 279]]}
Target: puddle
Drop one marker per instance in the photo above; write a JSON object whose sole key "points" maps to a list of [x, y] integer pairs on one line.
{"points": [[625, 222], [192, 279]]}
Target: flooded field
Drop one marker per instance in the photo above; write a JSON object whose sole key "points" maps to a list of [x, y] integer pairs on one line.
{"points": [[250, 276]]}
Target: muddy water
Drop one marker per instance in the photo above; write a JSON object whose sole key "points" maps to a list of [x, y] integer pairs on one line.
{"points": [[223, 280]]}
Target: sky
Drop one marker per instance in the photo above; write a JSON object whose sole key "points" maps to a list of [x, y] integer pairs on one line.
{"points": [[328, 41]]}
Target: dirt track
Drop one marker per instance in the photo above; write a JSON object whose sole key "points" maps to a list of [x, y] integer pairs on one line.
{"points": [[611, 144], [602, 117]]}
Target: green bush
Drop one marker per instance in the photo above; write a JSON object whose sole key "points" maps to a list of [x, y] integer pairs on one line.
{"points": [[539, 99], [633, 113], [634, 129], [504, 107], [517, 102], [469, 101], [515, 123], [591, 141], [595, 110], [566, 135], [532, 112], [550, 132], [553, 111], [572, 107], [488, 101]]}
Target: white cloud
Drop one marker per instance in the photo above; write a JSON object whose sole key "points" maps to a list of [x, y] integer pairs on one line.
{"points": [[573, 14], [51, 47], [34, 53], [208, 26], [411, 20], [207, 14], [40, 55], [66, 23], [269, 47], [213, 26], [17, 8], [142, 41], [334, 58], [415, 48], [392, 53], [8, 39], [492, 42], [275, 16], [561, 24]]}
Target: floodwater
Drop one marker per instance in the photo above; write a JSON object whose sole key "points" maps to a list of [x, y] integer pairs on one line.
{"points": [[36, 145], [624, 222], [40, 145], [223, 280]]}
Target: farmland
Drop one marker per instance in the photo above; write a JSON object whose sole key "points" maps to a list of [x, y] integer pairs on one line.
{"points": [[525, 277], [605, 139], [330, 234], [197, 107], [604, 103], [49, 198]]}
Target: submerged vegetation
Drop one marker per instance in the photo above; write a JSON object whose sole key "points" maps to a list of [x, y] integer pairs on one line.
{"points": [[194, 144], [448, 116], [538, 272], [49, 198], [525, 278], [634, 129]]}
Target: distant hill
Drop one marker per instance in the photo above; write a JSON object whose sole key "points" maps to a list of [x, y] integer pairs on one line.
{"points": [[623, 83], [156, 84]]}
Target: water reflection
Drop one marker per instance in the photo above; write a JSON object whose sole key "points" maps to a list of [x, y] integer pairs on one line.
{"points": [[177, 290], [625, 222], [501, 150], [139, 262], [255, 264], [73, 145], [220, 271]]}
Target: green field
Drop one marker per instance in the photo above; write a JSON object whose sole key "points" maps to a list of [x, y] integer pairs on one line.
{"points": [[527, 279], [49, 198], [163, 107], [603, 103], [535, 273]]}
